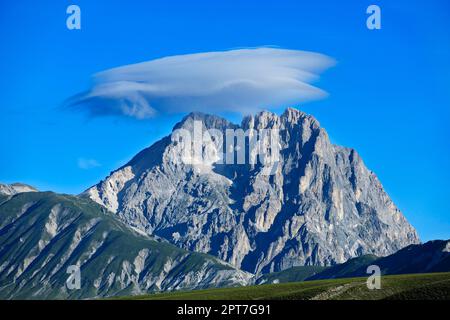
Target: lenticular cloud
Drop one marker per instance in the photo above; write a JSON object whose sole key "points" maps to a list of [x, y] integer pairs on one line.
{"points": [[243, 80]]}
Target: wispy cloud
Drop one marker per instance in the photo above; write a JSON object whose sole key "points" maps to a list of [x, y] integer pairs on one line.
{"points": [[242, 80], [87, 164]]}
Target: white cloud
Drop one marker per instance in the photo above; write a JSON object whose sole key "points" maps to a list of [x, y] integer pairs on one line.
{"points": [[87, 164], [243, 80]]}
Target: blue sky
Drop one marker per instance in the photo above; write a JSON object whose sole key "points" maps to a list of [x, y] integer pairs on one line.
{"points": [[389, 94]]}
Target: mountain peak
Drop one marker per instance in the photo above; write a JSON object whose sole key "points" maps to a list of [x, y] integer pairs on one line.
{"points": [[334, 206], [264, 118], [293, 115], [209, 120], [293, 111]]}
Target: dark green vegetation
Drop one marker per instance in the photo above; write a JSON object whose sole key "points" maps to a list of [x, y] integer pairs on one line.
{"points": [[434, 286], [343, 270], [294, 274], [3, 198], [433, 256], [42, 233], [347, 269]]}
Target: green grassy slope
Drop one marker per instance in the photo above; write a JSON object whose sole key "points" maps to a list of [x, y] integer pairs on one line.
{"points": [[3, 198], [294, 274], [346, 269], [42, 233], [429, 257], [410, 286]]}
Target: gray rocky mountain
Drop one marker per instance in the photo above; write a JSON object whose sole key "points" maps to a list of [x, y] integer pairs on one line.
{"points": [[321, 205]]}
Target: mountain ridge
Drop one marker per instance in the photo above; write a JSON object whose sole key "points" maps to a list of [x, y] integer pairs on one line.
{"points": [[322, 206], [430, 257], [43, 233]]}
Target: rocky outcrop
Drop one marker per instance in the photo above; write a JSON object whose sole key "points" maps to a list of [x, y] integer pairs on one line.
{"points": [[14, 188], [318, 205]]}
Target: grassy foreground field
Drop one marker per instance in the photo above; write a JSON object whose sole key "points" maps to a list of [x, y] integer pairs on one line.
{"points": [[432, 286]]}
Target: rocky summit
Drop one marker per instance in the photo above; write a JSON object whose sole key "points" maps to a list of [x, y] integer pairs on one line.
{"points": [[320, 205]]}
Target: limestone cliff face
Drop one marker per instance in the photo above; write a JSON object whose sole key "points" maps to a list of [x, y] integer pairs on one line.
{"points": [[319, 206]]}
